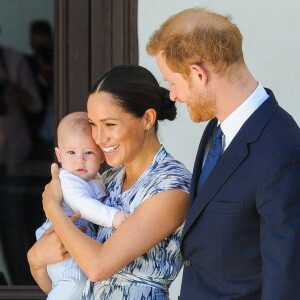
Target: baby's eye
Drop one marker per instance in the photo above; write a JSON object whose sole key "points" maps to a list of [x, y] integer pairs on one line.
{"points": [[71, 152], [89, 152]]}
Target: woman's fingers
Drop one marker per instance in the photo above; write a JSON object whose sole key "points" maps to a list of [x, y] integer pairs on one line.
{"points": [[75, 217], [49, 230]]}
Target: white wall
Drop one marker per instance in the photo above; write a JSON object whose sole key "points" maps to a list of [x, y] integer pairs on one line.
{"points": [[271, 50]]}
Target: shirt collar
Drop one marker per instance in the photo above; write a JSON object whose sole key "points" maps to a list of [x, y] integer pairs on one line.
{"points": [[233, 123]]}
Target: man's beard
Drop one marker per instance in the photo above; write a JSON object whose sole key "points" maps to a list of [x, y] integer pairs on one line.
{"points": [[201, 107]]}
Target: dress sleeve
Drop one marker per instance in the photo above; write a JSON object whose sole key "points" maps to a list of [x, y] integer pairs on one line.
{"points": [[171, 175]]}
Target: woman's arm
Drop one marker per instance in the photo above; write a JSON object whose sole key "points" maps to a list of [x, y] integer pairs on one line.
{"points": [[155, 219]]}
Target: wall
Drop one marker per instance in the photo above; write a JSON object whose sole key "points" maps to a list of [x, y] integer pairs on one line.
{"points": [[271, 50]]}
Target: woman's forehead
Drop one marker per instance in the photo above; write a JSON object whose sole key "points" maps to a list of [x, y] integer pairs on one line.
{"points": [[103, 106]]}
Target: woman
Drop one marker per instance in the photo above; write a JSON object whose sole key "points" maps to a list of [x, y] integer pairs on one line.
{"points": [[141, 258]]}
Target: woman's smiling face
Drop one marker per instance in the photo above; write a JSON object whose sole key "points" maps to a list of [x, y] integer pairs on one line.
{"points": [[120, 134]]}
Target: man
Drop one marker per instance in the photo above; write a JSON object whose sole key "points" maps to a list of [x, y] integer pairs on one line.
{"points": [[241, 238]]}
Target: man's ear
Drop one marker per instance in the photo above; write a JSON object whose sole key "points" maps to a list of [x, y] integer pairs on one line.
{"points": [[199, 73], [57, 153]]}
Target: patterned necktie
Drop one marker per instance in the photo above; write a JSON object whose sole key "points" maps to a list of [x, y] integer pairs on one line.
{"points": [[213, 155]]}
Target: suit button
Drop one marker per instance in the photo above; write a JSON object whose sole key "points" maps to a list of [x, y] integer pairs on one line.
{"points": [[187, 263]]}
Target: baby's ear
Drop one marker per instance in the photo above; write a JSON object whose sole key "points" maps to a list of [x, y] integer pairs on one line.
{"points": [[57, 153]]}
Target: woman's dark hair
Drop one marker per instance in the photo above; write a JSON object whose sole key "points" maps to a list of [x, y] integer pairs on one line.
{"points": [[136, 90]]}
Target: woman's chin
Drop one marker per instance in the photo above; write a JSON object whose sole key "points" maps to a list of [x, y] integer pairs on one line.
{"points": [[112, 161]]}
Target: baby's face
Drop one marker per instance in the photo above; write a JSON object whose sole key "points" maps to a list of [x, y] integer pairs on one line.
{"points": [[79, 155]]}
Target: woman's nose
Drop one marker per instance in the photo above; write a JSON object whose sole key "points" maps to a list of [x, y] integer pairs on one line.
{"points": [[101, 137]]}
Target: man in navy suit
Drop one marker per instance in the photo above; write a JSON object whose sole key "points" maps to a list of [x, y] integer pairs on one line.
{"points": [[241, 238]]}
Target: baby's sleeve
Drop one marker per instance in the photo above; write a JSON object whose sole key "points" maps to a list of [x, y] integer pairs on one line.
{"points": [[77, 194]]}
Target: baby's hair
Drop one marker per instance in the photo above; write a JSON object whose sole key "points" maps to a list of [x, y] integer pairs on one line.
{"points": [[72, 121]]}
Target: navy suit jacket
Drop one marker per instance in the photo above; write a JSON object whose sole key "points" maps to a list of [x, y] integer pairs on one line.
{"points": [[241, 238]]}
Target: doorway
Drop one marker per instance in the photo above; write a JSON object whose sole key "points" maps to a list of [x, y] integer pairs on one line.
{"points": [[90, 37]]}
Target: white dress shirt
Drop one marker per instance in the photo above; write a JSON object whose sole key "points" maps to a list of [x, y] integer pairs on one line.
{"points": [[233, 123]]}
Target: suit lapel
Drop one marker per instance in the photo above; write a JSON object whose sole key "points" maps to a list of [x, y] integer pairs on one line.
{"points": [[199, 158], [229, 162]]}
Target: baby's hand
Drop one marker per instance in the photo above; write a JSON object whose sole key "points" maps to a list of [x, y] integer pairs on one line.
{"points": [[119, 218]]}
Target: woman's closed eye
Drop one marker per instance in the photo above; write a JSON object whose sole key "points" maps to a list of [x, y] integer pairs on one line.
{"points": [[110, 124], [107, 124]]}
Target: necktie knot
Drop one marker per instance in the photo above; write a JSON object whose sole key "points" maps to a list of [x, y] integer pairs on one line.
{"points": [[213, 155]]}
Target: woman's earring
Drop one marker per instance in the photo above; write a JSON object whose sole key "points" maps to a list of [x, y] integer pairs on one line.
{"points": [[148, 128]]}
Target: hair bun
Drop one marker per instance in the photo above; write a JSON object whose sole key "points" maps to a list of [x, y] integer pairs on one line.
{"points": [[168, 108]]}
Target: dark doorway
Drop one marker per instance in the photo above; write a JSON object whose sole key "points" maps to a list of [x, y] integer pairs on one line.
{"points": [[90, 37]]}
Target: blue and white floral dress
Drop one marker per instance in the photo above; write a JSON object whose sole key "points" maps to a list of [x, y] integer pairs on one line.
{"points": [[150, 275]]}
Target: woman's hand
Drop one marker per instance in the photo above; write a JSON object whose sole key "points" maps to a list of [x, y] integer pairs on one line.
{"points": [[52, 195], [47, 250]]}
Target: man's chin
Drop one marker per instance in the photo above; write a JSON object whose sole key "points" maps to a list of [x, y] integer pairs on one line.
{"points": [[199, 119]]}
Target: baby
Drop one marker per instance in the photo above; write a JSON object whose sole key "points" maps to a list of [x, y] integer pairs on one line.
{"points": [[83, 191]]}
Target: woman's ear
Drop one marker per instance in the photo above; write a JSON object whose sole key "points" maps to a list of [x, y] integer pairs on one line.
{"points": [[150, 118], [57, 153]]}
